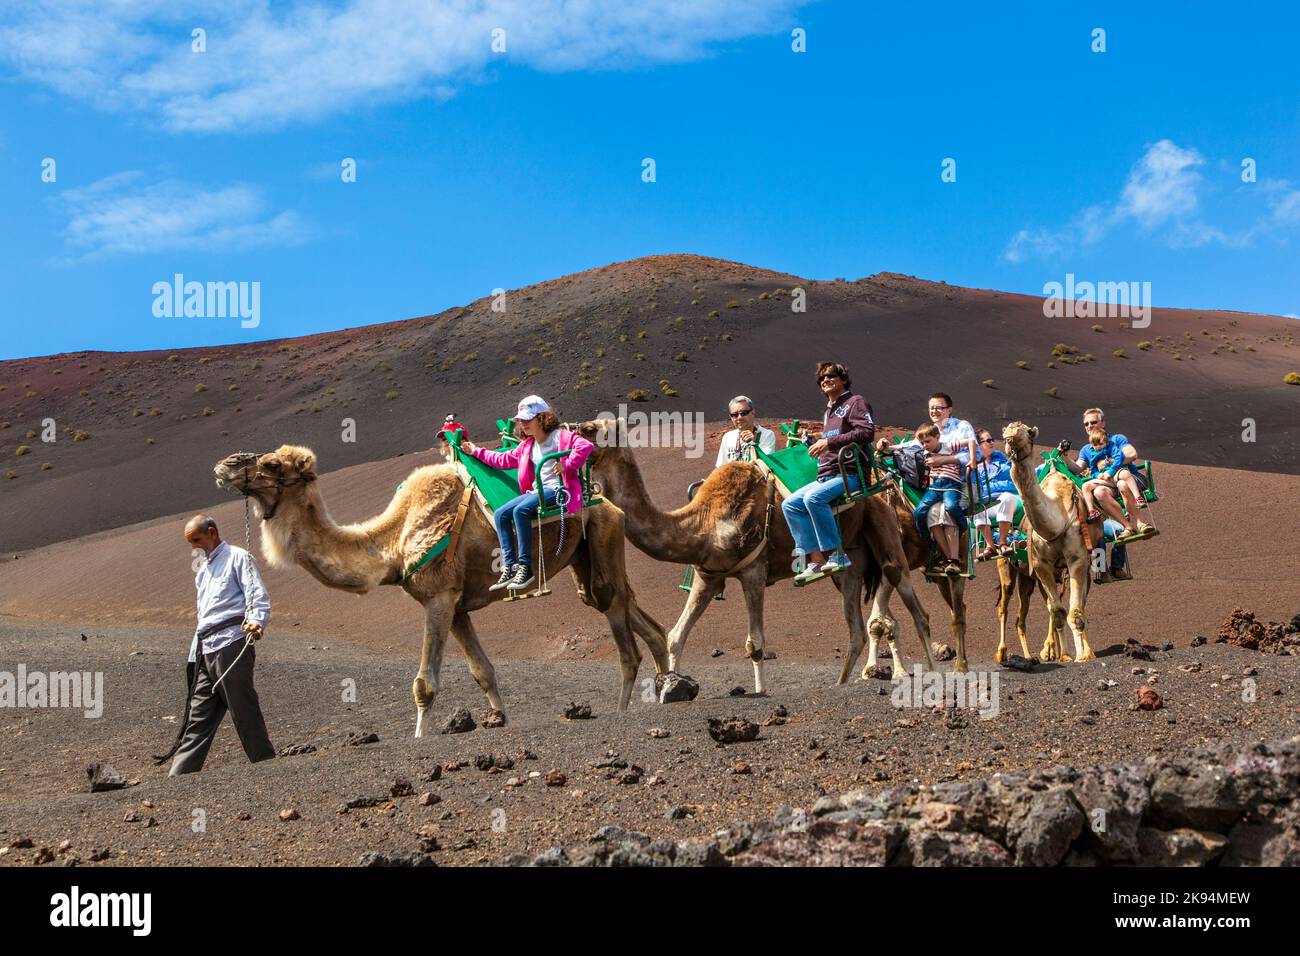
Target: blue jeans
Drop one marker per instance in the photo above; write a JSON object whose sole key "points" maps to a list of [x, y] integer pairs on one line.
{"points": [[808, 513], [514, 521], [950, 491], [1112, 529]]}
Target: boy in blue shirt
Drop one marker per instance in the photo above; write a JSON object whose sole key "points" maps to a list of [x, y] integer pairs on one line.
{"points": [[1108, 459]]}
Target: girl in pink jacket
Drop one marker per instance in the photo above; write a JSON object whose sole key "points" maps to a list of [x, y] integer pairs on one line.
{"points": [[560, 478]]}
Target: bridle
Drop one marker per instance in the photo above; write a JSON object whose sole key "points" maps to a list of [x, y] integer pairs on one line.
{"points": [[280, 484]]}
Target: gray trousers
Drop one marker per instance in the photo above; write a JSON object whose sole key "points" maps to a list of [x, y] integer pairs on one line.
{"points": [[237, 695]]}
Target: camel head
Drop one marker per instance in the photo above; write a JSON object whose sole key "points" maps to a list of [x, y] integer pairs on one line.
{"points": [[1019, 439], [266, 478], [609, 435]]}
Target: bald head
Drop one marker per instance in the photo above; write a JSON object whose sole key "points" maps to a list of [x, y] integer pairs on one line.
{"points": [[201, 532]]}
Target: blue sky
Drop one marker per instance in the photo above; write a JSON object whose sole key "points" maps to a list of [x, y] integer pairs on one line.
{"points": [[479, 169]]}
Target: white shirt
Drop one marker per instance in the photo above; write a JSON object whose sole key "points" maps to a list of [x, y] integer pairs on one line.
{"points": [[228, 584], [550, 480], [732, 450]]}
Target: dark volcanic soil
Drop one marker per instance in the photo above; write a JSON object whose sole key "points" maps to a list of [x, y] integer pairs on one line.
{"points": [[836, 738]]}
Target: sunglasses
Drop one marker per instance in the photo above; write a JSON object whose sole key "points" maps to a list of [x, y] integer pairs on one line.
{"points": [[1092, 424], [827, 376], [986, 441], [748, 411]]}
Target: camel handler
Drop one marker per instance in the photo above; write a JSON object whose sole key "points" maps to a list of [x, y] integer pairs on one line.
{"points": [[233, 609]]}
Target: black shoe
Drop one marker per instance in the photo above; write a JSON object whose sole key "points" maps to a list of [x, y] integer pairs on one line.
{"points": [[523, 577], [507, 575]]}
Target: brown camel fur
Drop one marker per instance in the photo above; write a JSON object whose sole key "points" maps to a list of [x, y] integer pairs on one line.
{"points": [[722, 527], [1056, 540], [297, 529]]}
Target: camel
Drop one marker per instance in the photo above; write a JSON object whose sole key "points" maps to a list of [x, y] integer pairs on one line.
{"points": [[1053, 508], [297, 529], [734, 528]]}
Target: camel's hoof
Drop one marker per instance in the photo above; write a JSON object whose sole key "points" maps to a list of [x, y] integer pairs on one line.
{"points": [[1065, 659], [1082, 658], [1000, 655], [493, 718], [961, 667]]}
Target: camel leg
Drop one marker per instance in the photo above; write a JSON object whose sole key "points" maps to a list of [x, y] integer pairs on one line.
{"points": [[880, 623], [1079, 579], [1025, 586], [697, 602], [485, 674], [1005, 573], [651, 634], [754, 582], [437, 621], [954, 595], [850, 582], [901, 579], [1046, 575], [629, 657]]}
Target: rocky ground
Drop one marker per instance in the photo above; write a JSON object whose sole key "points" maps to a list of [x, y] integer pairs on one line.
{"points": [[544, 780]]}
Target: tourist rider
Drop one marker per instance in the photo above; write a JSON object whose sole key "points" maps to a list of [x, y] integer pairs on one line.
{"points": [[542, 436], [846, 421], [739, 443]]}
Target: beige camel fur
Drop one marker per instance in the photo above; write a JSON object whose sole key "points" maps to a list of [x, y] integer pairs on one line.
{"points": [[1056, 540], [722, 527], [297, 529]]}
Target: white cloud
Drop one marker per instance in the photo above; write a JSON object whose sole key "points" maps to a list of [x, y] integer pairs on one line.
{"points": [[1162, 196], [123, 214], [267, 65]]}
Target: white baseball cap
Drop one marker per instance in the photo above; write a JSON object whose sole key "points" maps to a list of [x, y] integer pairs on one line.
{"points": [[530, 407]]}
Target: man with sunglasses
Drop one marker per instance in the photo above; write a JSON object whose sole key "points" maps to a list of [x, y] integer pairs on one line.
{"points": [[1107, 461], [738, 444], [847, 421]]}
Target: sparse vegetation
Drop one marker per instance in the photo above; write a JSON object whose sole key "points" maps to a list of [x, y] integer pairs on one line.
{"points": [[714, 313], [988, 383], [1119, 353], [23, 450], [733, 304], [79, 435], [200, 387], [637, 395], [1144, 345], [679, 357], [1292, 378], [1022, 364], [1051, 392], [46, 466], [1098, 328], [513, 381], [388, 396]]}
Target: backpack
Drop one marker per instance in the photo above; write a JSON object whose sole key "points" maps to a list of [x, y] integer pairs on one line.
{"points": [[911, 466]]}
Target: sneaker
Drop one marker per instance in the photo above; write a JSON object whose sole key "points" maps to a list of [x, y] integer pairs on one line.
{"points": [[810, 573], [953, 569], [507, 575], [836, 563], [523, 577], [1121, 574]]}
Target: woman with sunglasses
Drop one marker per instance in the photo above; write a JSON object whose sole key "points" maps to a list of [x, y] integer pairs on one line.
{"points": [[846, 421], [992, 479], [738, 444]]}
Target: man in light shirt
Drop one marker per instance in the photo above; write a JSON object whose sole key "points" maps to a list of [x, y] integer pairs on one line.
{"points": [[738, 444], [233, 607]]}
